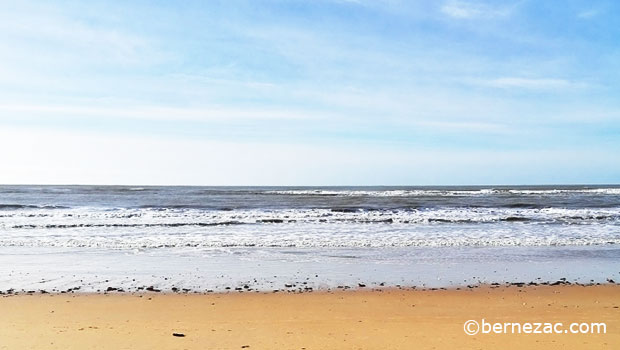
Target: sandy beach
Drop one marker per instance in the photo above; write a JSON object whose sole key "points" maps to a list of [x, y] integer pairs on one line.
{"points": [[360, 319]]}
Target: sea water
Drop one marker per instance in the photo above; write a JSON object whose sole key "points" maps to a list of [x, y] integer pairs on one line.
{"points": [[211, 238]]}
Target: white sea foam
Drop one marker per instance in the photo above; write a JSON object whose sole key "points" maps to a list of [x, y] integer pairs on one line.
{"points": [[308, 240], [85, 217], [430, 193], [153, 228]]}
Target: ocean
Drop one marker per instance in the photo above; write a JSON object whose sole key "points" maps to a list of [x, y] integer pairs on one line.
{"points": [[213, 238]]}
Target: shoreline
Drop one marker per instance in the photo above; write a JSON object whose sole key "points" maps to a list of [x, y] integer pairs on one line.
{"points": [[55, 270], [349, 319], [295, 289]]}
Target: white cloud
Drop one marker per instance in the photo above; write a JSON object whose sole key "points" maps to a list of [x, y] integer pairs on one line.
{"points": [[214, 113], [532, 83], [64, 37], [587, 14], [467, 126], [472, 10]]}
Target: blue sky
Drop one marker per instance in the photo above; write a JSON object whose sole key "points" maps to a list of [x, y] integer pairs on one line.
{"points": [[323, 92]]}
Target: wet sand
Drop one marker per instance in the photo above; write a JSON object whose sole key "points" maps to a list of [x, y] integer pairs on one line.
{"points": [[360, 319]]}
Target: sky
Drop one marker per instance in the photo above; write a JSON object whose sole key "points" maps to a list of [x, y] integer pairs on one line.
{"points": [[321, 92]]}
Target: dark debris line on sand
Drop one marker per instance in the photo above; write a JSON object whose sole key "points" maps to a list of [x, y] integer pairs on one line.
{"points": [[181, 335], [303, 287]]}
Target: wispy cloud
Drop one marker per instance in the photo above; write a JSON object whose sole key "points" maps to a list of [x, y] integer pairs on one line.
{"points": [[477, 127], [71, 39], [473, 10], [587, 14], [204, 114], [532, 83]]}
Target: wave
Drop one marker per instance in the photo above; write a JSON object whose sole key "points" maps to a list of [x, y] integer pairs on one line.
{"points": [[149, 217], [302, 242], [441, 193], [153, 228], [27, 206], [172, 224]]}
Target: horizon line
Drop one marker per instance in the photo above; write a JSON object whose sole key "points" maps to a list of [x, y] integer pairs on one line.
{"points": [[435, 185]]}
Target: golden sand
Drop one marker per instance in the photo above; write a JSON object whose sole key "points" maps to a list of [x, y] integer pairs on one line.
{"points": [[389, 319]]}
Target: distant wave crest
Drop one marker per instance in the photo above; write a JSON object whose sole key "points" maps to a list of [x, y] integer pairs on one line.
{"points": [[447, 193]]}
